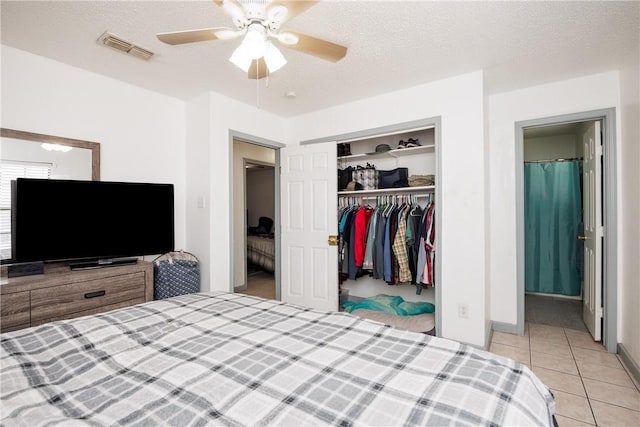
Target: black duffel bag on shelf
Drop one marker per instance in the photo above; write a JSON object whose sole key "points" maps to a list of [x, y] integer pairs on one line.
{"points": [[395, 178], [344, 177]]}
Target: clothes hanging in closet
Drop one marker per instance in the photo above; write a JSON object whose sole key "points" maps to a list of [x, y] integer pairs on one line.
{"points": [[393, 242], [426, 247]]}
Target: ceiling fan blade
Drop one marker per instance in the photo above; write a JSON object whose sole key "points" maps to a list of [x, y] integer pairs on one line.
{"points": [[294, 7], [317, 47], [258, 69], [228, 34], [190, 36]]}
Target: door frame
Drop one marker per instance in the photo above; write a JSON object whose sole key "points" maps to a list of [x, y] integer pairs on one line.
{"points": [[263, 142], [609, 201], [245, 162], [434, 122]]}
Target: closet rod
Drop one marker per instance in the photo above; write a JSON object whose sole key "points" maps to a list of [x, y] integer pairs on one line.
{"points": [[385, 195], [554, 160]]}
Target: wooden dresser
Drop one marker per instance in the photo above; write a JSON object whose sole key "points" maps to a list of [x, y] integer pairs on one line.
{"points": [[60, 293]]}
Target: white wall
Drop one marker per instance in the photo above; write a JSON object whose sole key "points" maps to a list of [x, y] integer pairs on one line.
{"points": [[198, 181], [215, 117], [141, 133], [630, 164], [570, 96], [459, 102], [550, 147]]}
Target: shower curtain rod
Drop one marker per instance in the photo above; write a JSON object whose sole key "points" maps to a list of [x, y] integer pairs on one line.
{"points": [[555, 160]]}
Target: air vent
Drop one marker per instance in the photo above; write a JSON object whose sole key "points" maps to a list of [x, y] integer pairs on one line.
{"points": [[141, 52], [122, 45]]}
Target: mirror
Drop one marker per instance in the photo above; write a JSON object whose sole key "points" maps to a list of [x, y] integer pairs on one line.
{"points": [[68, 158], [34, 155]]}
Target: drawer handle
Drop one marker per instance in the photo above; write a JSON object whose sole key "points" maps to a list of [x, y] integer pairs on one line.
{"points": [[94, 294]]}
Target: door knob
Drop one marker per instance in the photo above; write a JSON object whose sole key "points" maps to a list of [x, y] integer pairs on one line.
{"points": [[333, 240], [583, 237]]}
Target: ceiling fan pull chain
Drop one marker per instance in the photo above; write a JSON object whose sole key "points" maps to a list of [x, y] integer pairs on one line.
{"points": [[267, 79], [258, 85]]}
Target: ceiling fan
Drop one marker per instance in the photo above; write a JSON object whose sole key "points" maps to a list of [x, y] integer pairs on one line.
{"points": [[259, 22]]}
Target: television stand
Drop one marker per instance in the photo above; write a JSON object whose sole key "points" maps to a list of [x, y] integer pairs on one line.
{"points": [[60, 293], [100, 263]]}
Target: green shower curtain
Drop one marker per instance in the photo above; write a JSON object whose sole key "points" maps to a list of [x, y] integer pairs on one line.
{"points": [[552, 213]]}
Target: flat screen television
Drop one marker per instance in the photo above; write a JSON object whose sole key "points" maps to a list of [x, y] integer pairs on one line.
{"points": [[64, 220]]}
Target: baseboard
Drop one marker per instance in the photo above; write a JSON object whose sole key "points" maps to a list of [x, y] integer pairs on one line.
{"points": [[508, 328], [630, 364], [240, 288]]}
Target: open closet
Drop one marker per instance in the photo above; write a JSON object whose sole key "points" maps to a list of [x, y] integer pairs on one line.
{"points": [[387, 220]]}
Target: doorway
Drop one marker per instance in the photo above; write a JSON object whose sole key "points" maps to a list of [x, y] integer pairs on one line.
{"points": [[542, 142], [553, 215], [255, 216], [259, 189]]}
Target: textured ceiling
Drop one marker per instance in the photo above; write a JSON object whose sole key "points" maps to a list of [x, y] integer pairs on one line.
{"points": [[392, 45]]}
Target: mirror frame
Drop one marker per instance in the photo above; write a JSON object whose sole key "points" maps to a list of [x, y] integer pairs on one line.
{"points": [[51, 139]]}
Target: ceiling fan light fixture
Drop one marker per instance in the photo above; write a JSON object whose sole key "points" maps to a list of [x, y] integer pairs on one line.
{"points": [[273, 57], [258, 23], [56, 147], [255, 41], [241, 58]]}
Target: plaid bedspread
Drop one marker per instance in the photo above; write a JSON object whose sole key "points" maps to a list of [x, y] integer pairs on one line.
{"points": [[232, 360], [261, 251]]}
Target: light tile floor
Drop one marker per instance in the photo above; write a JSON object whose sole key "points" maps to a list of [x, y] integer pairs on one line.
{"points": [[591, 386]]}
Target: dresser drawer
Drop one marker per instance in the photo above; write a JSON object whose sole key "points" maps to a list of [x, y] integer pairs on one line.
{"points": [[97, 310], [61, 301], [14, 309]]}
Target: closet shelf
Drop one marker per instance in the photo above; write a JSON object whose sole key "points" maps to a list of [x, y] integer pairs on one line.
{"points": [[393, 153], [385, 191]]}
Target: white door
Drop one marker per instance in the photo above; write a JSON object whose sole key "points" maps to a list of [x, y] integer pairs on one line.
{"points": [[309, 264], [593, 231]]}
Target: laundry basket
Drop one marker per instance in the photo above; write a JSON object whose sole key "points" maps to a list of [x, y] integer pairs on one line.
{"points": [[175, 273]]}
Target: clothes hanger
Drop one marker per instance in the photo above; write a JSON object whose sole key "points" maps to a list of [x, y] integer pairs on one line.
{"points": [[416, 210]]}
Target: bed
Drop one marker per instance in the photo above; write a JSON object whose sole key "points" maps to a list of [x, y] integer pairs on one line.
{"points": [[261, 251], [234, 360]]}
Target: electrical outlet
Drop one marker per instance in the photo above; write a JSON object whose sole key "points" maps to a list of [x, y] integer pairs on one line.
{"points": [[463, 311]]}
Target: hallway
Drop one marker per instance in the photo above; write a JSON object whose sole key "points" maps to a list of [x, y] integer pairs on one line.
{"points": [[261, 284], [562, 312]]}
